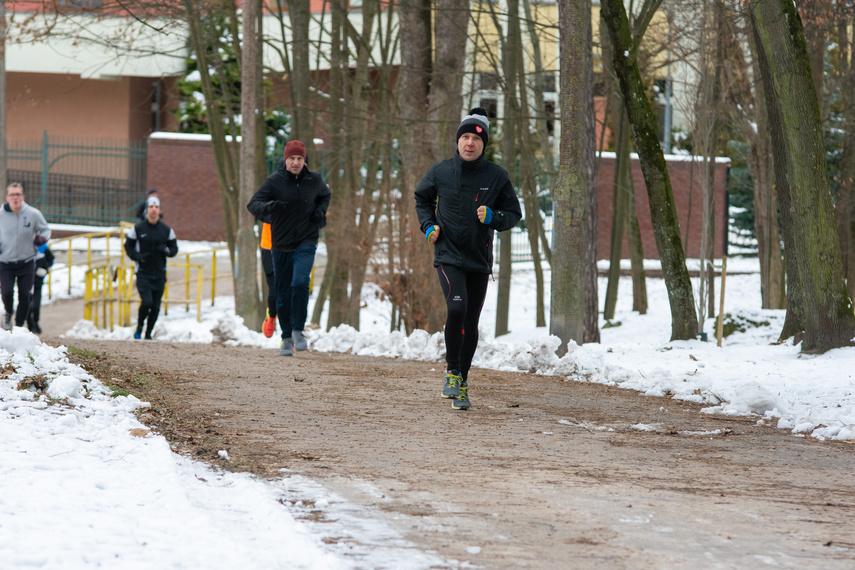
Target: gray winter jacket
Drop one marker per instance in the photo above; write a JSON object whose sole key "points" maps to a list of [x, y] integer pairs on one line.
{"points": [[18, 233]]}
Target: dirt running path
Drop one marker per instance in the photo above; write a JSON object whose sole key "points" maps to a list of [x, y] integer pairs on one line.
{"points": [[541, 473]]}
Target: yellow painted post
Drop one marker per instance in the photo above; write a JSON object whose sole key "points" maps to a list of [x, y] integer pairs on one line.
{"points": [[213, 277], [69, 266], [199, 278], [720, 325], [87, 298], [187, 280]]}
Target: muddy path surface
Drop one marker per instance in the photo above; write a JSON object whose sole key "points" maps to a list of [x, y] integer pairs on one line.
{"points": [[541, 472]]}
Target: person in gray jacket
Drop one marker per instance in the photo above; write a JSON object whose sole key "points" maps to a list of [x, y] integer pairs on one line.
{"points": [[22, 230]]}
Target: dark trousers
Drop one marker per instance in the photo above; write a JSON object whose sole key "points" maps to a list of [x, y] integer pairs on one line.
{"points": [[35, 302], [464, 297], [267, 265], [151, 292], [23, 273], [292, 272]]}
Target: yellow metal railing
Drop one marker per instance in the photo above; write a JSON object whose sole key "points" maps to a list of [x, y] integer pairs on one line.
{"points": [[109, 293], [95, 259]]}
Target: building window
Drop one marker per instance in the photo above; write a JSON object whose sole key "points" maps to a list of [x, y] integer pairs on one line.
{"points": [[491, 106], [487, 81], [549, 111], [548, 82]]}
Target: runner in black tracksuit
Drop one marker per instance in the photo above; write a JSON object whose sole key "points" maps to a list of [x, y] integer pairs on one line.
{"points": [[149, 243], [460, 202], [294, 200]]}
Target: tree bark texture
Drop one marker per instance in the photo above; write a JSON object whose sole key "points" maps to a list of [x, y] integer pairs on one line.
{"points": [[570, 194], [798, 147], [846, 191], [511, 53], [684, 323], [748, 113], [246, 293], [299, 78], [413, 284]]}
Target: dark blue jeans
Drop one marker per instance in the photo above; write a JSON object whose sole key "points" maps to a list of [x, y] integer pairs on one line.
{"points": [[23, 273], [292, 272]]}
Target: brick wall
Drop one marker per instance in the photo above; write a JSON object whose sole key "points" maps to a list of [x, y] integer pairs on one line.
{"points": [[685, 182], [182, 169]]}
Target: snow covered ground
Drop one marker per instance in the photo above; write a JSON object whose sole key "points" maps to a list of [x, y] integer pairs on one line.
{"points": [[82, 483]]}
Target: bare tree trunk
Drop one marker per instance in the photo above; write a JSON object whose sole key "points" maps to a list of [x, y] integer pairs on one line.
{"points": [[246, 294], [205, 37], [338, 231], [592, 301], [814, 14], [636, 256], [750, 116], [299, 78], [414, 287], [846, 191], [800, 164], [446, 87], [511, 53], [529, 191], [570, 195], [684, 323], [3, 140], [620, 209]]}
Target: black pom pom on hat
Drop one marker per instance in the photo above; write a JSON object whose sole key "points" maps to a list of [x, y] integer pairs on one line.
{"points": [[475, 122]]}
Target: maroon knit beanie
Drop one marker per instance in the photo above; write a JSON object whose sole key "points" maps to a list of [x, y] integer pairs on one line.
{"points": [[294, 148]]}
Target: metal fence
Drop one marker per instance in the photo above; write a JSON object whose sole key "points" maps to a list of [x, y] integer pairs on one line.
{"points": [[80, 181]]}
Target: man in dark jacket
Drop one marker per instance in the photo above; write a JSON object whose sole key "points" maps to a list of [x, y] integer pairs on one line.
{"points": [[294, 200], [149, 243], [460, 202]]}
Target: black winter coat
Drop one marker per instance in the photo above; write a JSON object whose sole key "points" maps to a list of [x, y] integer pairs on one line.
{"points": [[295, 207], [449, 196], [149, 245]]}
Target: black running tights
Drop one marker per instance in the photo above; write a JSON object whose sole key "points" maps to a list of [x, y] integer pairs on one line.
{"points": [[464, 297]]}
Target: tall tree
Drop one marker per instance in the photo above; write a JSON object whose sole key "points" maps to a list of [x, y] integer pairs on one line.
{"points": [[684, 322], [800, 166], [412, 284], [511, 53], [299, 14], [247, 299], [747, 111], [3, 171], [570, 195], [846, 191]]}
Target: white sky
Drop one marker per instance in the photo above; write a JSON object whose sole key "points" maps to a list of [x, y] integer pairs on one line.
{"points": [[73, 471]]}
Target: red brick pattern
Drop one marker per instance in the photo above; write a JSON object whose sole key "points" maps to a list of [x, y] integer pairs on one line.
{"points": [[185, 176], [685, 182]]}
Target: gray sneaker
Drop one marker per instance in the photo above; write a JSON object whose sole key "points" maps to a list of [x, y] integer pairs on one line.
{"points": [[452, 384], [299, 340], [461, 402], [286, 348], [7, 322]]}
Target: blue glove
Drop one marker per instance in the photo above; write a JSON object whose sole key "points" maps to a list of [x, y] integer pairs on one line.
{"points": [[42, 248], [488, 215], [429, 231]]}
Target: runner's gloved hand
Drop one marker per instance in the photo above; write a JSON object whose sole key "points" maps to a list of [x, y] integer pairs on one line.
{"points": [[485, 214], [432, 234]]}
